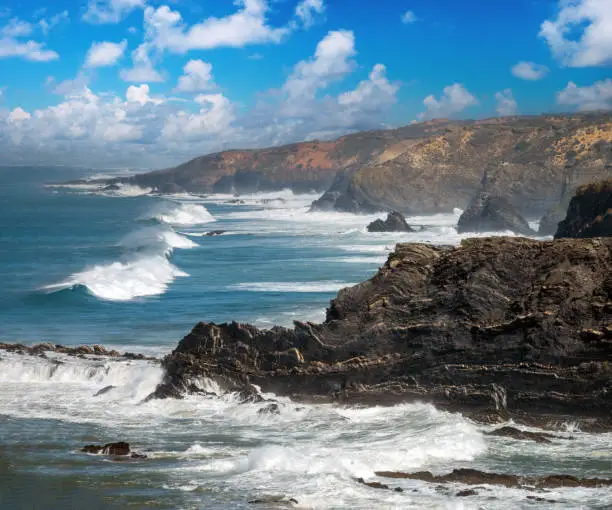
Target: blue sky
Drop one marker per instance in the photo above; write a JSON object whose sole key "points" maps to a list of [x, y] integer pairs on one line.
{"points": [[146, 83]]}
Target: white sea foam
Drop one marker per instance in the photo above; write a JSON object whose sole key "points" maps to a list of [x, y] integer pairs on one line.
{"points": [[302, 287], [182, 214], [157, 239], [124, 281]]}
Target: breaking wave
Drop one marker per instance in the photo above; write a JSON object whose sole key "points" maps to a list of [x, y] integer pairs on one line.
{"points": [[182, 214], [145, 269], [124, 281]]}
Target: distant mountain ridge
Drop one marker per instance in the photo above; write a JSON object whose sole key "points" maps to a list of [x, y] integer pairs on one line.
{"points": [[429, 167]]}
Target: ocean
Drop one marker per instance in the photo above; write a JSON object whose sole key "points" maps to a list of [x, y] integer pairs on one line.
{"points": [[135, 272]]}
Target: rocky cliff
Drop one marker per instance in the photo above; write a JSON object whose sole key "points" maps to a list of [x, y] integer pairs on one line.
{"points": [[507, 326], [589, 213], [429, 167]]}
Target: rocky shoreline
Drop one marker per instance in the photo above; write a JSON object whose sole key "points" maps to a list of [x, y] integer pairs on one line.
{"points": [[497, 328]]}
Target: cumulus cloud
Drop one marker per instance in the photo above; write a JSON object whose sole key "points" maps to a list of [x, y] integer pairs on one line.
{"points": [[529, 71], [140, 95], [166, 29], [589, 98], [581, 34], [104, 54], [146, 130], [506, 104], [214, 118], [13, 45], [197, 77], [143, 69], [455, 99], [409, 17], [110, 11], [18, 115], [332, 61], [307, 11]]}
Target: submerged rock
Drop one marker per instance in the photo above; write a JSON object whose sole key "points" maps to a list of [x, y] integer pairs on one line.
{"points": [[502, 326], [589, 213], [522, 435], [395, 222], [489, 213], [120, 449], [215, 233], [476, 477]]}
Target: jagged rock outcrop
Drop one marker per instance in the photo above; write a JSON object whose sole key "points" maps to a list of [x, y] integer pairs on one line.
{"points": [[488, 213], [395, 222], [422, 168], [589, 213], [497, 327]]}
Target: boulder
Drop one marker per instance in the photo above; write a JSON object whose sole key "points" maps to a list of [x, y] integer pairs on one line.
{"points": [[522, 435], [489, 213], [589, 213], [120, 449], [395, 222]]}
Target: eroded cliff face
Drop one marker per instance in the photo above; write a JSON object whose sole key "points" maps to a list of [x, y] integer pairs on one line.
{"points": [[531, 161], [589, 213], [502, 325], [426, 168]]}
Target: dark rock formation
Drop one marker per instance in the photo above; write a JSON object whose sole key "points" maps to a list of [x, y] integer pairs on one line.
{"points": [[82, 350], [522, 435], [428, 167], [589, 213], [395, 222], [475, 477], [492, 214], [506, 326], [378, 485], [120, 449], [215, 233]]}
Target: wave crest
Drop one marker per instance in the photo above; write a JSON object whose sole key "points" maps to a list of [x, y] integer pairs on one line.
{"points": [[183, 214], [124, 281]]}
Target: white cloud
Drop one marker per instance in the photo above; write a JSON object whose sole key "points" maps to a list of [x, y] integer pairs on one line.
{"points": [[594, 97], [104, 54], [581, 34], [373, 93], [308, 10], [215, 117], [506, 104], [143, 69], [455, 98], [17, 28], [409, 17], [144, 130], [332, 61], [29, 50], [140, 95], [110, 11], [70, 87], [13, 45], [198, 77], [529, 71], [249, 25], [46, 25], [18, 115]]}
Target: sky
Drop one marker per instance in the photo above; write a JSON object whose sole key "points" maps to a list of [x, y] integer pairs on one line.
{"points": [[141, 84]]}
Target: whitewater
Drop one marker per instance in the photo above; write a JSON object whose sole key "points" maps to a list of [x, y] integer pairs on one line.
{"points": [[134, 271]]}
